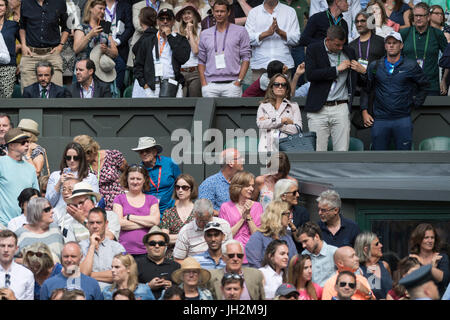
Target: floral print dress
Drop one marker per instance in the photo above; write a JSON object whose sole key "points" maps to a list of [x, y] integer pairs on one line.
{"points": [[172, 222]]}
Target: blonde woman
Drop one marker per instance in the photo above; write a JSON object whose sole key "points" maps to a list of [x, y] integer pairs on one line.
{"points": [[107, 165], [125, 276], [274, 223], [189, 18]]}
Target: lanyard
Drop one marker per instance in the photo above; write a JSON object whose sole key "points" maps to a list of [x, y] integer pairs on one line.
{"points": [[98, 167], [159, 178], [338, 21], [112, 14], [150, 4], [426, 43], [224, 38], [367, 52], [161, 48], [90, 87], [339, 59]]}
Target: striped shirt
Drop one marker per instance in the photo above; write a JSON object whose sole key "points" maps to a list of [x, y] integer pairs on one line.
{"points": [[52, 238], [190, 240]]}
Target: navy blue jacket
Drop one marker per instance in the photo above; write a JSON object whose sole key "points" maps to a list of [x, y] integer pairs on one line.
{"points": [[394, 93], [345, 236], [10, 33], [317, 26], [124, 14], [32, 91]]}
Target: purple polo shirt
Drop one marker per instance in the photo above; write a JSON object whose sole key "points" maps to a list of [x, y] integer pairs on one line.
{"points": [[237, 49]]}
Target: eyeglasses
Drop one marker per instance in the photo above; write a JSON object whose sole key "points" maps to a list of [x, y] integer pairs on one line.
{"points": [[212, 224], [159, 243], [325, 210], [232, 276], [232, 255], [7, 280], [352, 285], [420, 15], [37, 254], [438, 13], [184, 188], [293, 192], [47, 209], [360, 21], [81, 202], [23, 142], [279, 84], [73, 158]]}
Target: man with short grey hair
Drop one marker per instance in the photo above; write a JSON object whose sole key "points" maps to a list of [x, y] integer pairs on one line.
{"points": [[190, 240], [44, 87], [336, 230]]}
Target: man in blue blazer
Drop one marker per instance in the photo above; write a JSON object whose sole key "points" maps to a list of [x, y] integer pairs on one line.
{"points": [[44, 87], [332, 69]]}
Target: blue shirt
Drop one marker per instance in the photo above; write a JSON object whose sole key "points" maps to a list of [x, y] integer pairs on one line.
{"points": [[88, 285], [207, 262], [446, 295], [37, 287], [142, 292], [257, 244], [169, 172], [345, 236], [14, 177], [216, 189], [323, 266]]}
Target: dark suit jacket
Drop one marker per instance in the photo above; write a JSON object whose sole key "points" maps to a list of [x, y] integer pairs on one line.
{"points": [[32, 91], [253, 280], [321, 75], [124, 14], [101, 89]]}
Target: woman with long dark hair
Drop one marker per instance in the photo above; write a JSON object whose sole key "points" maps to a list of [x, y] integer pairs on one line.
{"points": [[274, 266], [300, 275]]}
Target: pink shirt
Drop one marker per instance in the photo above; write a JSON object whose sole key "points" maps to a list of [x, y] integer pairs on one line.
{"points": [[229, 212], [305, 296]]}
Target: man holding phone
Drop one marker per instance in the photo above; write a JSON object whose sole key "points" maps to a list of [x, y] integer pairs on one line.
{"points": [[154, 269]]}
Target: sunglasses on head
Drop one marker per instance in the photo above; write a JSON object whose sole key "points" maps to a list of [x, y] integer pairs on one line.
{"points": [[279, 84], [232, 255], [37, 254], [352, 285], [184, 188], [73, 158], [159, 243], [212, 224], [47, 209], [232, 276]]}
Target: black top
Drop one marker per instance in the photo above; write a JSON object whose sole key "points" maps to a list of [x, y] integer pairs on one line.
{"points": [[147, 270], [376, 50], [42, 23], [345, 236], [238, 12], [317, 26], [300, 217]]}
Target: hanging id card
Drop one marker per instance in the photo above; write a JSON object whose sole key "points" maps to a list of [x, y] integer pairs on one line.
{"points": [[420, 63], [158, 69], [220, 61], [363, 62]]}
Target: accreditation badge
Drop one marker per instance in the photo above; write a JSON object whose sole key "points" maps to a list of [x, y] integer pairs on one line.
{"points": [[363, 62], [220, 61], [420, 63], [158, 69]]}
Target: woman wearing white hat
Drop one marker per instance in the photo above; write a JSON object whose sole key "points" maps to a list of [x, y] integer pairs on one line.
{"points": [[36, 153], [191, 277]]}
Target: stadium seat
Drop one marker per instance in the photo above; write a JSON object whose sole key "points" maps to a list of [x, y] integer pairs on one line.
{"points": [[435, 144], [355, 145], [128, 92], [17, 92]]}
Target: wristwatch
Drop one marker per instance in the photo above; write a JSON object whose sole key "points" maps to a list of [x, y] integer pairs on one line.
{"points": [[85, 222], [128, 217]]}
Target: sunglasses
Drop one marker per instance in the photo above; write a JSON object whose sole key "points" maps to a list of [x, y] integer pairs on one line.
{"points": [[159, 243], [23, 142], [73, 158], [165, 19], [232, 255], [293, 192], [37, 254], [212, 224], [291, 295], [352, 285], [232, 276], [279, 84], [286, 213], [48, 209], [184, 188]]}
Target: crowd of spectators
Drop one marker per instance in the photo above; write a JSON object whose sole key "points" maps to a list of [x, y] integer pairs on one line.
{"points": [[99, 228]]}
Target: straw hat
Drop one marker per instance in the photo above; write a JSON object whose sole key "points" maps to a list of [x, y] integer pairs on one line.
{"points": [[83, 188], [104, 65], [29, 125], [155, 230], [15, 134], [191, 263], [146, 143]]}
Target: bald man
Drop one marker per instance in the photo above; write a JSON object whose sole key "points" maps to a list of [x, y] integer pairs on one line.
{"points": [[70, 276], [346, 259]]}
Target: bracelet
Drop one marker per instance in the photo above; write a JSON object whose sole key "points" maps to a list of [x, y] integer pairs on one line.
{"points": [[128, 217], [62, 43]]}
